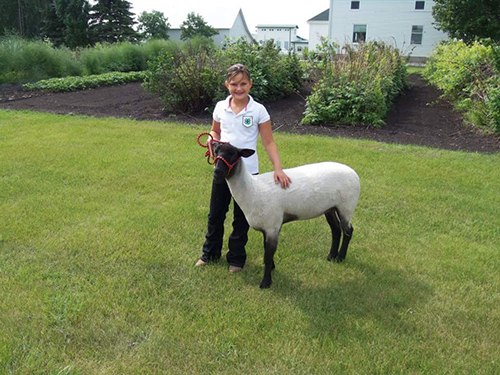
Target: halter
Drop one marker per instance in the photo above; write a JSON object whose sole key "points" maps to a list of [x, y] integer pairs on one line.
{"points": [[210, 153]]}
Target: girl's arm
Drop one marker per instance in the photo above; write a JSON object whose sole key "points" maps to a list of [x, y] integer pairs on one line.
{"points": [[215, 131], [266, 134]]}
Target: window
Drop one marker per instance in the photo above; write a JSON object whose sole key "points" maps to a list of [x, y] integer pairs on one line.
{"points": [[354, 4], [419, 5], [278, 43], [416, 34], [359, 34], [299, 49], [286, 46]]}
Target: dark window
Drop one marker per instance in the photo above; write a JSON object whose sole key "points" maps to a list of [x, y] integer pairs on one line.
{"points": [[354, 4], [419, 5], [416, 34], [359, 33]]}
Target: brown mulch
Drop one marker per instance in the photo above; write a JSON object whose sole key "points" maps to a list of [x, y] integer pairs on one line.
{"points": [[418, 117]]}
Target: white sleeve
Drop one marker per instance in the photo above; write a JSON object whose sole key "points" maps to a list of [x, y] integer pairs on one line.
{"points": [[216, 114], [263, 115]]}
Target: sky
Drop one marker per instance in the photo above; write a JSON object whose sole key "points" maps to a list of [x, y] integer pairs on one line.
{"points": [[222, 13]]}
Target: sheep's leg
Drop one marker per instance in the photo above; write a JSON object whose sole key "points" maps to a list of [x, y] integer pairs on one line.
{"points": [[270, 246], [347, 230], [334, 222]]}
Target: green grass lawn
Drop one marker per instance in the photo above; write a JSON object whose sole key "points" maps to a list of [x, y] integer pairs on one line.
{"points": [[415, 69], [102, 220]]}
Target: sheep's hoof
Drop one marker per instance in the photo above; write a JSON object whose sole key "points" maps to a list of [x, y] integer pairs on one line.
{"points": [[265, 284], [339, 260], [331, 257]]}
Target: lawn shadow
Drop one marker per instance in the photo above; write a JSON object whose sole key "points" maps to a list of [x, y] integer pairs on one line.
{"points": [[380, 297]]}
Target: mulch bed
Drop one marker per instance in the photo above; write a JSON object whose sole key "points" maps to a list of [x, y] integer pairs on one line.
{"points": [[418, 117]]}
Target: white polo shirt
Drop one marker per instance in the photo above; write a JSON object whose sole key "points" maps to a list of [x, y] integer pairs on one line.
{"points": [[242, 129]]}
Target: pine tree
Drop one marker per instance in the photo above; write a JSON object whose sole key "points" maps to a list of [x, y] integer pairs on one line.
{"points": [[22, 17], [67, 22], [112, 21], [52, 26], [76, 21]]}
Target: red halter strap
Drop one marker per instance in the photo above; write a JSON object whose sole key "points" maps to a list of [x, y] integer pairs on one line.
{"points": [[230, 166], [211, 159]]}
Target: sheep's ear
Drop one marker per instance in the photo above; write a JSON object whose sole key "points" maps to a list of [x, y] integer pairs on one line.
{"points": [[246, 152]]}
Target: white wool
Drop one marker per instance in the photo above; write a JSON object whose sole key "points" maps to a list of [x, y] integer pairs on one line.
{"points": [[315, 188]]}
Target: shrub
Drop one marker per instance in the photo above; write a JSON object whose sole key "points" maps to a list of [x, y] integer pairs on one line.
{"points": [[22, 61], [191, 79], [25, 61], [82, 83], [154, 46], [356, 87], [118, 57], [469, 76], [186, 80], [274, 76]]}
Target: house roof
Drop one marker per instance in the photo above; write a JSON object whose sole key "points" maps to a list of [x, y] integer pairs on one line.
{"points": [[323, 16], [240, 14]]}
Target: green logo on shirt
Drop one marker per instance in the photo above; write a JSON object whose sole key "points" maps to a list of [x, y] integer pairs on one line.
{"points": [[247, 121]]}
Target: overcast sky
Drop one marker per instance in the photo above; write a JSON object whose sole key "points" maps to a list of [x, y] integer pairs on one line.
{"points": [[221, 14]]}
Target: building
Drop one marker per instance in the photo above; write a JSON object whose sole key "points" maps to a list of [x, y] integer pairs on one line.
{"points": [[285, 37], [405, 24], [239, 29], [318, 28]]}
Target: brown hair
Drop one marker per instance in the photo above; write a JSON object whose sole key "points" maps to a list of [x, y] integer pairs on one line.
{"points": [[236, 69]]}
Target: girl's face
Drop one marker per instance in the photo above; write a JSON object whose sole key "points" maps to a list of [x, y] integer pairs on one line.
{"points": [[239, 86]]}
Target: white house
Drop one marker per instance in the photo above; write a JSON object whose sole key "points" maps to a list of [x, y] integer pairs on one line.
{"points": [[239, 29], [285, 37], [406, 24], [318, 28]]}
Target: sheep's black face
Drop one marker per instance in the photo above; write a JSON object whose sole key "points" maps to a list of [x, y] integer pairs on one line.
{"points": [[226, 158]]}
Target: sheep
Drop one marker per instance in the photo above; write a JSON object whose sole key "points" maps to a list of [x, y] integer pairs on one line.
{"points": [[325, 188]]}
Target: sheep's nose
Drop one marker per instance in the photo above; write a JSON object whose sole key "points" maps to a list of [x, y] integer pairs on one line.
{"points": [[218, 175]]}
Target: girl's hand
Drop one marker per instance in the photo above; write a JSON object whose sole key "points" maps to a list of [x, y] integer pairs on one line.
{"points": [[282, 178]]}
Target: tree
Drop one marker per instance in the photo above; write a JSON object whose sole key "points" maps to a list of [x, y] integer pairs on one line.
{"points": [[76, 21], [22, 17], [195, 25], [111, 21], [153, 25], [52, 25], [67, 22], [468, 19]]}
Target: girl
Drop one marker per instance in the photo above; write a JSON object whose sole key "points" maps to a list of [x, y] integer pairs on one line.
{"points": [[238, 120]]}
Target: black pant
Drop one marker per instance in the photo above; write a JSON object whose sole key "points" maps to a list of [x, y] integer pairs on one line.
{"points": [[219, 205]]}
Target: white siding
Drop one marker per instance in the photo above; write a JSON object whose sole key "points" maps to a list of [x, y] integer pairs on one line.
{"points": [[390, 21], [317, 29], [238, 30], [174, 34], [221, 36], [278, 33]]}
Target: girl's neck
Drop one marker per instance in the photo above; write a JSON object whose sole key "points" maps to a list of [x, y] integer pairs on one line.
{"points": [[238, 105]]}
